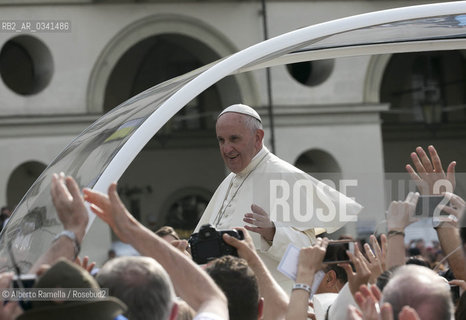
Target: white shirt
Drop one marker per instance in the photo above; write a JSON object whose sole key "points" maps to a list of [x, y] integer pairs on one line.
{"points": [[264, 182]]}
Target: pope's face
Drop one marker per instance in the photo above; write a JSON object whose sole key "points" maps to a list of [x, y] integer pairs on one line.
{"points": [[238, 143]]}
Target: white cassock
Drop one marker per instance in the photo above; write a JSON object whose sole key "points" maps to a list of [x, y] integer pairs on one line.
{"points": [[268, 182]]}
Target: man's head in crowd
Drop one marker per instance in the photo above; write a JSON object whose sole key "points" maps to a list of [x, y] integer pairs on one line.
{"points": [[239, 134], [167, 233], [66, 274], [334, 279], [420, 288], [142, 284], [5, 211], [239, 284], [335, 276]]}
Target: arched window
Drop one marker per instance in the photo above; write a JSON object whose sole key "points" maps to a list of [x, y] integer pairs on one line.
{"points": [[425, 87], [21, 179], [320, 164]]}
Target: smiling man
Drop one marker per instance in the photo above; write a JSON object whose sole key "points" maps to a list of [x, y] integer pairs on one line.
{"points": [[240, 139], [248, 193]]}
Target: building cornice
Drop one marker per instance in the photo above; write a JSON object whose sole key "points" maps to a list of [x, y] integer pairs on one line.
{"points": [[39, 125], [351, 114]]}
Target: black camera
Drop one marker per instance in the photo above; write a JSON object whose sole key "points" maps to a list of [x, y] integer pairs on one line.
{"points": [[208, 244]]}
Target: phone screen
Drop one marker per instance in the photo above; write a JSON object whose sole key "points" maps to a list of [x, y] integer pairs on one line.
{"points": [[426, 205], [336, 251]]}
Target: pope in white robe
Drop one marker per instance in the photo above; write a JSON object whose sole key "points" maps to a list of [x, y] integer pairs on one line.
{"points": [[288, 203]]}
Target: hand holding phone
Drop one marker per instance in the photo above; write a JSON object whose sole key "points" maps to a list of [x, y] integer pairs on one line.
{"points": [[426, 205], [401, 213], [336, 251]]}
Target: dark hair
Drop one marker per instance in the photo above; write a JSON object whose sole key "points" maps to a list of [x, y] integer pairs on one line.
{"points": [[418, 260], [167, 231], [414, 252], [339, 272], [239, 284], [383, 279]]}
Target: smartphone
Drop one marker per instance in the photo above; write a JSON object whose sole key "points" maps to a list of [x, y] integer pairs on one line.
{"points": [[426, 205], [336, 251]]}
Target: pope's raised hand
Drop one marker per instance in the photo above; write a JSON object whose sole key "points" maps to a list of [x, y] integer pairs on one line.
{"points": [[261, 222]]}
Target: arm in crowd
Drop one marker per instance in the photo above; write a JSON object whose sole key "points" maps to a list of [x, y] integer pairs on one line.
{"points": [[73, 215], [448, 235], [399, 216], [429, 173], [345, 298], [309, 262], [191, 282], [275, 299], [362, 272]]}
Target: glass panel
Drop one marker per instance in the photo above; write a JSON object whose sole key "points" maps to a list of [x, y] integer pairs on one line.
{"points": [[34, 221], [442, 27]]}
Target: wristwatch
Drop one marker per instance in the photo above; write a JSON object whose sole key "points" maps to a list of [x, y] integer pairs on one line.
{"points": [[71, 235]]}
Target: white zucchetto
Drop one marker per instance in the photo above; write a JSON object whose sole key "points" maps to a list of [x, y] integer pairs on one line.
{"points": [[243, 109]]}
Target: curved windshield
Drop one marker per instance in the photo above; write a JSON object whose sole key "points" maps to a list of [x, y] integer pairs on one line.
{"points": [[34, 222]]}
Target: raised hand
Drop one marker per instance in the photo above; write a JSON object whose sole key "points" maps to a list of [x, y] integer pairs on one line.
{"points": [[111, 210], [368, 301], [376, 257], [362, 274], [430, 177], [85, 263], [401, 213], [310, 261], [69, 203], [261, 221], [455, 208]]}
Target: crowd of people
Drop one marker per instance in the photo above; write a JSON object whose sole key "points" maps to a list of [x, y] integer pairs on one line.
{"points": [[382, 279]]}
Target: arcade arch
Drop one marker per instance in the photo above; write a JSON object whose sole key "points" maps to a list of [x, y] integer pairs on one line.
{"points": [[320, 164], [21, 179]]}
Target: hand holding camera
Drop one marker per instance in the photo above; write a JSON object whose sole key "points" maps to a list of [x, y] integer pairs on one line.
{"points": [[208, 243]]}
